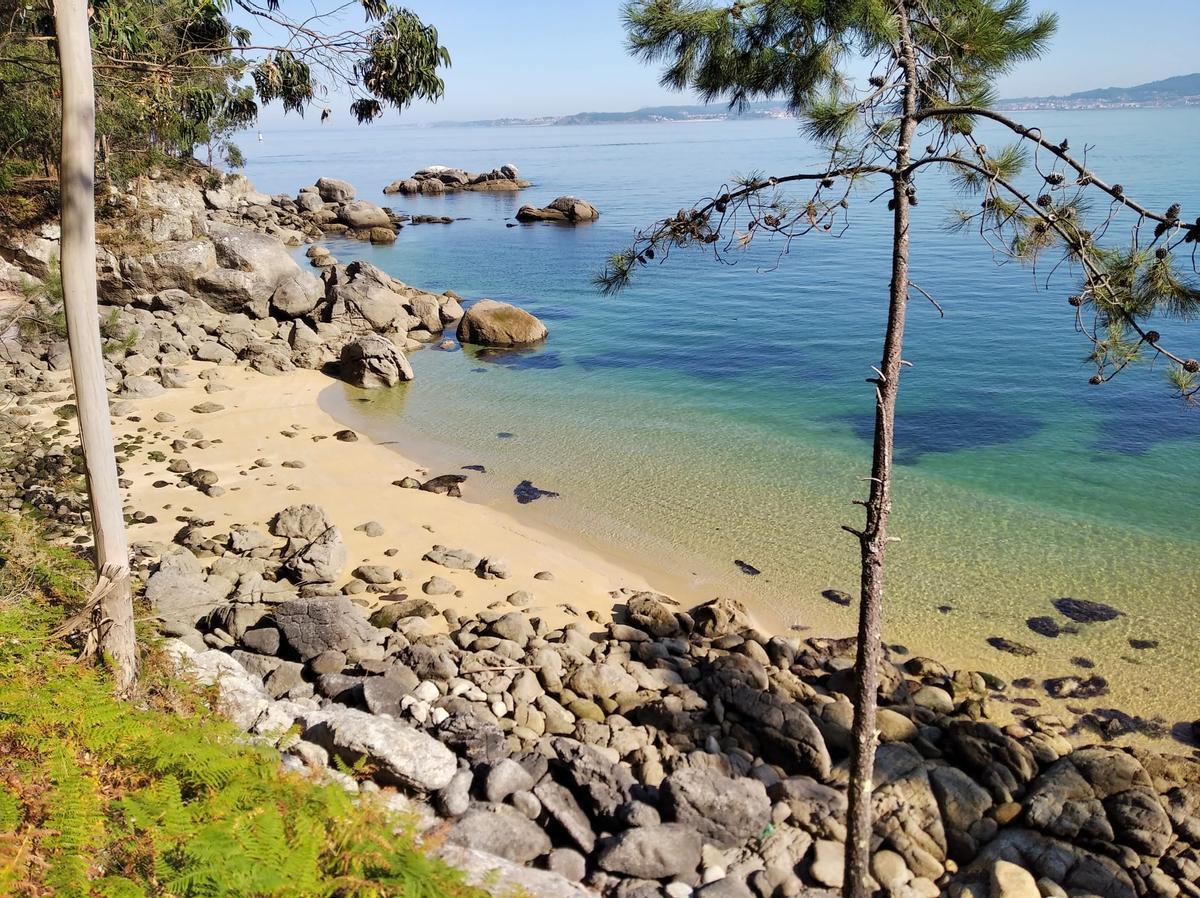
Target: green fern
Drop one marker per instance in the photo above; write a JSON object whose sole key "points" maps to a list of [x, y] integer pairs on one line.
{"points": [[118, 800]]}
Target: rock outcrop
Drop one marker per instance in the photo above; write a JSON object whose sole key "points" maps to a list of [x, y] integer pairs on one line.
{"points": [[438, 179], [373, 361], [564, 209]]}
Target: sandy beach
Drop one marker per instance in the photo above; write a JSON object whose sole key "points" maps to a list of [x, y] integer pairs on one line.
{"points": [[278, 420]]}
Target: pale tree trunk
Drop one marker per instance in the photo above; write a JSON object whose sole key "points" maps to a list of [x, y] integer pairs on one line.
{"points": [[111, 621], [873, 538]]}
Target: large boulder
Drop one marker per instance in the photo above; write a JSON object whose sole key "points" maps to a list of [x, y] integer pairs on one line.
{"points": [[180, 593], [372, 361], [245, 250], [334, 190], [362, 215], [400, 754], [297, 295], [179, 266], [652, 852], [565, 209], [316, 625], [168, 210], [492, 323], [502, 831], [315, 551], [725, 811]]}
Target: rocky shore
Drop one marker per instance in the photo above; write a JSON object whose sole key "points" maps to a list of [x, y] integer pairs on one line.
{"points": [[552, 721]]}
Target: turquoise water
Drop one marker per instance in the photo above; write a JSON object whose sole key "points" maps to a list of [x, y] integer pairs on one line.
{"points": [[717, 412]]}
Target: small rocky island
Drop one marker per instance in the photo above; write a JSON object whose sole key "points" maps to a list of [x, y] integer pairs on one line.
{"points": [[565, 209], [438, 179]]}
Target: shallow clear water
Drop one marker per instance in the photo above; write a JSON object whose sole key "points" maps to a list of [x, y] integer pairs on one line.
{"points": [[718, 412]]}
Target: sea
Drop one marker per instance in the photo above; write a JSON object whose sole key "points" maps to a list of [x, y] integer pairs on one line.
{"points": [[712, 423]]}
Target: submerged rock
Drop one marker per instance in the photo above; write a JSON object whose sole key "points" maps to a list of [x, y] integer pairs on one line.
{"points": [[1085, 611]]}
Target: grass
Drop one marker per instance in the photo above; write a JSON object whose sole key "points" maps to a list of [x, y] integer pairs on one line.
{"points": [[157, 796]]}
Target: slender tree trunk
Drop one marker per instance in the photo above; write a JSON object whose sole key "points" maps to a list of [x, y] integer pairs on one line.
{"points": [[112, 620], [873, 538]]}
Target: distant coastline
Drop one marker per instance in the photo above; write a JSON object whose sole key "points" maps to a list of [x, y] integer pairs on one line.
{"points": [[1179, 92]]}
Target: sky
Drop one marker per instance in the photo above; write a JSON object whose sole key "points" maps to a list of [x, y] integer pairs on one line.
{"points": [[528, 58]]}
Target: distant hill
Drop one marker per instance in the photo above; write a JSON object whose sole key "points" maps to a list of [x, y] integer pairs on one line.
{"points": [[1182, 90], [645, 115]]}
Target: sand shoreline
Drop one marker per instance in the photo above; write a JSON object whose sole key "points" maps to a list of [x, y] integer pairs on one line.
{"points": [[353, 482]]}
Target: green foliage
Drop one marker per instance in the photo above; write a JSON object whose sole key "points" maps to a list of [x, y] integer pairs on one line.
{"points": [[174, 75], [158, 797], [757, 48], [46, 317]]}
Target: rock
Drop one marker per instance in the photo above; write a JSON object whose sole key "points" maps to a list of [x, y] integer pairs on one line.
{"points": [[501, 831], [493, 569], [561, 805], [457, 559], [647, 611], [438, 586], [906, 811], [312, 626], [720, 617], [1011, 647], [566, 209], [319, 560], [725, 811], [375, 573], [333, 190], [240, 695], [1085, 611], [491, 323], [501, 877], [934, 698], [1010, 881], [264, 257], [372, 361], [455, 799], [506, 777], [443, 484], [513, 626], [961, 800], [569, 864], [382, 695], [602, 680], [783, 727], [140, 386], [828, 863], [297, 295], [264, 640], [180, 594], [362, 216], [387, 616], [652, 852], [601, 785], [400, 754], [476, 739]]}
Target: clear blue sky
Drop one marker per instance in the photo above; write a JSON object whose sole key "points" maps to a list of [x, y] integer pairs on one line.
{"points": [[525, 58]]}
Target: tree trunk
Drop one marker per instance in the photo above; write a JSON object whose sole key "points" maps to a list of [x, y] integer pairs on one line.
{"points": [[112, 620], [873, 538]]}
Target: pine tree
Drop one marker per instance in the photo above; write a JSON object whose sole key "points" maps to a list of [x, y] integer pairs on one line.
{"points": [[932, 66]]}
